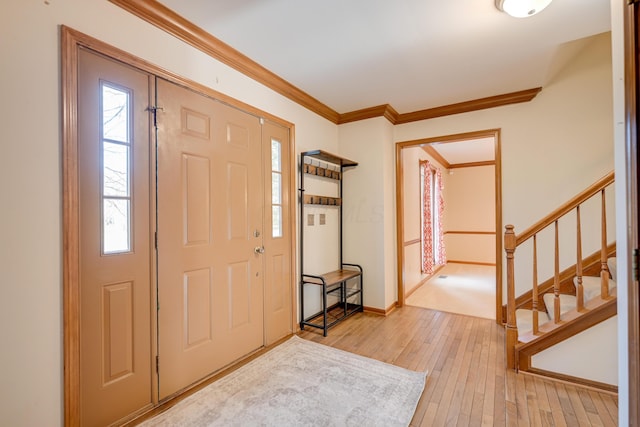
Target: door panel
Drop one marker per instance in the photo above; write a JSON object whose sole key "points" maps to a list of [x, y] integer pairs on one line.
{"points": [[210, 280], [239, 294], [117, 323], [113, 176], [278, 240], [197, 307], [237, 209], [195, 181]]}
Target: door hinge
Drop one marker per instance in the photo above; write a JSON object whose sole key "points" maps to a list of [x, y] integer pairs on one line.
{"points": [[634, 264], [157, 364], [155, 240]]}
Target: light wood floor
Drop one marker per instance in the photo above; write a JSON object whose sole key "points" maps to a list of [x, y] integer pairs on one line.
{"points": [[459, 288], [467, 383]]}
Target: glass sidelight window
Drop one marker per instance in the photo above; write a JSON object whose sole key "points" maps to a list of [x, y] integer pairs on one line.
{"points": [[116, 169], [276, 188]]}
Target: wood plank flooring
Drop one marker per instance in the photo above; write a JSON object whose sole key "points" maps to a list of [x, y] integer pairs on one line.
{"points": [[467, 382]]}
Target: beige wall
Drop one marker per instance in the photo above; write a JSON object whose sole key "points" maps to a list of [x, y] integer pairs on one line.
{"points": [[470, 206], [369, 207], [568, 357], [563, 119]]}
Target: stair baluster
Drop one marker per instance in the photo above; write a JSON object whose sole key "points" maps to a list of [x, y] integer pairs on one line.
{"points": [[579, 286], [556, 278], [520, 349], [604, 269], [511, 327], [534, 295]]}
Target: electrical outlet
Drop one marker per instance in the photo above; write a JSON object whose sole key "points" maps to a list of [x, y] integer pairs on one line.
{"points": [[310, 219], [323, 219]]}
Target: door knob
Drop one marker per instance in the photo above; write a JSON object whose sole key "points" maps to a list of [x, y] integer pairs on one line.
{"points": [[259, 249]]}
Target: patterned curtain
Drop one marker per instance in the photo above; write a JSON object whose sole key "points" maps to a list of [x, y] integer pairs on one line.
{"points": [[427, 223], [441, 253], [432, 216]]}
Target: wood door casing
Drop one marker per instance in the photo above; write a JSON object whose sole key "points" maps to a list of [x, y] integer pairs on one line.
{"points": [[632, 154], [210, 279], [115, 328]]}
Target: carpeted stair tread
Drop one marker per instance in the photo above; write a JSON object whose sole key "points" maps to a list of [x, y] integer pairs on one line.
{"points": [[524, 320], [567, 303], [591, 286]]}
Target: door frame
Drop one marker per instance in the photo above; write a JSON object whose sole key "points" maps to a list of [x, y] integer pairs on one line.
{"points": [[632, 184], [71, 42], [489, 133]]}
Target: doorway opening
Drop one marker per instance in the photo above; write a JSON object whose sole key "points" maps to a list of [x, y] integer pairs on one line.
{"points": [[471, 224]]}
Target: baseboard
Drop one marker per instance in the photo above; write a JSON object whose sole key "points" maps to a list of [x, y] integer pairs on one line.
{"points": [[407, 294], [575, 381], [380, 311]]}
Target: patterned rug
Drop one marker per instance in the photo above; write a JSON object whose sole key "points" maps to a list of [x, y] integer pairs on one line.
{"points": [[302, 383]]}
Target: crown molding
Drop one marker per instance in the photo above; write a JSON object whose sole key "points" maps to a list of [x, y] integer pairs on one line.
{"points": [[167, 20], [436, 156], [396, 118], [386, 111], [473, 105]]}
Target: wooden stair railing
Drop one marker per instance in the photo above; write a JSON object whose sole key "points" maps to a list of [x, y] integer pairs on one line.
{"points": [[591, 266], [512, 241]]}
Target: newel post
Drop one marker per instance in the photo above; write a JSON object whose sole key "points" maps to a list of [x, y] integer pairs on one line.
{"points": [[511, 328]]}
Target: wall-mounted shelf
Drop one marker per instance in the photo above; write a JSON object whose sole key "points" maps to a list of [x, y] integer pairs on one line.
{"points": [[320, 171], [345, 283], [328, 158], [310, 199]]}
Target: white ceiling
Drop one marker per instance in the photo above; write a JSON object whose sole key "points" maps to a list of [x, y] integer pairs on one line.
{"points": [[468, 151], [411, 54]]}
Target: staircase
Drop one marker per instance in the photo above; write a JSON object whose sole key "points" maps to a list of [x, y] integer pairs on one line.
{"points": [[569, 302]]}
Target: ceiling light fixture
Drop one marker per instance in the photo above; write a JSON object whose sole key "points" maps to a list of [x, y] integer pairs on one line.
{"points": [[521, 8]]}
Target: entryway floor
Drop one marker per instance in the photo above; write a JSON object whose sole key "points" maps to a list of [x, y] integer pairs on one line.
{"points": [[459, 288]]}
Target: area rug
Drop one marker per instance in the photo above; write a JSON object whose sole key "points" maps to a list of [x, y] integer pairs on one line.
{"points": [[302, 383]]}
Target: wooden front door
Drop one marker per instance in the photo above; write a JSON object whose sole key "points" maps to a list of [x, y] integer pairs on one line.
{"points": [[183, 239], [210, 236], [114, 238]]}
